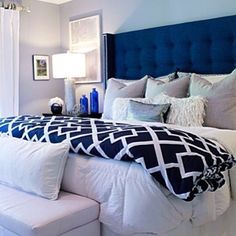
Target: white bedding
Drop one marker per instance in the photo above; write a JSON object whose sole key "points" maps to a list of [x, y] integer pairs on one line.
{"points": [[131, 202]]}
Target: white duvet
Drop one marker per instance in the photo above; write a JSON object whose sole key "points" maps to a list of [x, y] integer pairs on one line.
{"points": [[131, 202]]}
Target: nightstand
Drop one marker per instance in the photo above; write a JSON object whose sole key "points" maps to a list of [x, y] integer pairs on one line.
{"points": [[50, 114], [94, 115]]}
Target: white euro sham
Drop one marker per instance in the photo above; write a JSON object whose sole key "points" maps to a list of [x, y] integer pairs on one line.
{"points": [[33, 167]]}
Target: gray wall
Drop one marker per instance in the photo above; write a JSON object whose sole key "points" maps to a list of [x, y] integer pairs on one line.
{"points": [[127, 15], [45, 31], [39, 34]]}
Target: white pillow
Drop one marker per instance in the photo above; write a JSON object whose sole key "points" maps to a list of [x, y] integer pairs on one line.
{"points": [[176, 88], [164, 78], [171, 77], [120, 107], [213, 78], [188, 111], [33, 167], [124, 81]]}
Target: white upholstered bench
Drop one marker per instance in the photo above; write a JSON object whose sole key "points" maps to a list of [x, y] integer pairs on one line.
{"points": [[23, 214]]}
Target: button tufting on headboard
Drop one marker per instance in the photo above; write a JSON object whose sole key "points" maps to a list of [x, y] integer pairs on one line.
{"points": [[207, 46]]}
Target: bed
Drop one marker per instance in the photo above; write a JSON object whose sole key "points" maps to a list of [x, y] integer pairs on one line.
{"points": [[132, 203], [203, 47]]}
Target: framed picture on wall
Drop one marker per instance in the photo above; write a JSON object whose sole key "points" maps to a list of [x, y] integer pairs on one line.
{"points": [[41, 67], [85, 37]]}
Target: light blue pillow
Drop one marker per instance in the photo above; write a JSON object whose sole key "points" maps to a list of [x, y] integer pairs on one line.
{"points": [[147, 112]]}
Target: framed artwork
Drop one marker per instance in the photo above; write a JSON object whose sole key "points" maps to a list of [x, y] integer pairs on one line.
{"points": [[85, 37], [41, 67]]}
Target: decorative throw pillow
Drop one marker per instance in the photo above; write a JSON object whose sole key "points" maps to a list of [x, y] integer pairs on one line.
{"points": [[172, 76], [184, 111], [120, 107], [178, 75], [221, 97], [124, 81], [33, 167], [117, 89], [163, 78], [147, 112], [213, 78], [176, 88]]}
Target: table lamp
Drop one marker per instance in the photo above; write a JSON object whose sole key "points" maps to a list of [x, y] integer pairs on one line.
{"points": [[69, 66]]}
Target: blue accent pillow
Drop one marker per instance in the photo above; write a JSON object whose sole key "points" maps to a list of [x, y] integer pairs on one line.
{"points": [[147, 112]]}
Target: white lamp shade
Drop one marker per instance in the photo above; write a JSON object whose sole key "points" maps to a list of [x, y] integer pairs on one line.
{"points": [[68, 65]]}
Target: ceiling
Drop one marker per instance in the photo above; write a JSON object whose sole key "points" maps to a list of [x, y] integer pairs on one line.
{"points": [[58, 2]]}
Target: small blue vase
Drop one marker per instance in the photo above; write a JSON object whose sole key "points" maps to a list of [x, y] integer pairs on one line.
{"points": [[84, 105], [94, 101]]}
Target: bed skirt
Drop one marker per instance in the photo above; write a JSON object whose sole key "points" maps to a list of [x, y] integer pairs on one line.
{"points": [[223, 226]]}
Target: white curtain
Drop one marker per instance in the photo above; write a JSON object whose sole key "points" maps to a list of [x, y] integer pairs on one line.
{"points": [[9, 62]]}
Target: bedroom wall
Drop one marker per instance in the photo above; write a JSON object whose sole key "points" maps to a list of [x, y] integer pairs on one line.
{"points": [[123, 15], [39, 34]]}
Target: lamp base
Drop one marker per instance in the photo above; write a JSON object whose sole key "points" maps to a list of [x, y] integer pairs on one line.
{"points": [[69, 95]]}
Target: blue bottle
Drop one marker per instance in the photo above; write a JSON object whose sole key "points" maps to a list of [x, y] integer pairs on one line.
{"points": [[94, 101], [84, 105]]}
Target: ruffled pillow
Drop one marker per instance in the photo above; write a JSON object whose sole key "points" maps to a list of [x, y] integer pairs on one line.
{"points": [[188, 111]]}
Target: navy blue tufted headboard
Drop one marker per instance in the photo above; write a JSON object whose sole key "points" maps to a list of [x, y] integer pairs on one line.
{"points": [[207, 46]]}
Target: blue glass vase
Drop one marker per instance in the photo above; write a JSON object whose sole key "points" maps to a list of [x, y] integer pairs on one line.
{"points": [[84, 105], [94, 101]]}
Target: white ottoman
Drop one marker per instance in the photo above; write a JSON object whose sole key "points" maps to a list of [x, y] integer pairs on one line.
{"points": [[24, 214]]}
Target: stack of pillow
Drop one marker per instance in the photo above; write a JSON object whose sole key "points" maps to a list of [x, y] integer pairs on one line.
{"points": [[189, 100]]}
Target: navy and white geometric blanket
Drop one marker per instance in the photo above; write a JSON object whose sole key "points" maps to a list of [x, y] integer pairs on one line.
{"points": [[186, 164]]}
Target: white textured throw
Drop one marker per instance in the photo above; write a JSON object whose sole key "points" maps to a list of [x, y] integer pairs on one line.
{"points": [[184, 111]]}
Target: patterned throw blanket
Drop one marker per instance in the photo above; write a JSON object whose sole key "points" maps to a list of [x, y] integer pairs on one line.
{"points": [[186, 164]]}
